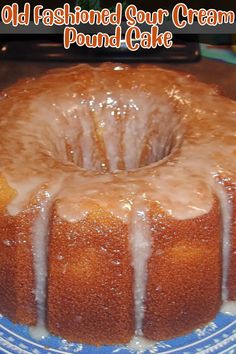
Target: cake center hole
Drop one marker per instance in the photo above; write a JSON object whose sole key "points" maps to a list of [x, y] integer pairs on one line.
{"points": [[109, 133]]}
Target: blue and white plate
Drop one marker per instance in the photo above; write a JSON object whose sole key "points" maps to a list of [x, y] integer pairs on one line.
{"points": [[217, 337]]}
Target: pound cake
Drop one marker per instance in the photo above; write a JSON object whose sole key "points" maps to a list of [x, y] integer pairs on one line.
{"points": [[117, 203]]}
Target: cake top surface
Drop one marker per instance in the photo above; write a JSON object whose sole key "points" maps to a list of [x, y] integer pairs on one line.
{"points": [[108, 135]]}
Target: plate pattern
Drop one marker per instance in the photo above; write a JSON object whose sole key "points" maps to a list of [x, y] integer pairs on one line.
{"points": [[218, 337]]}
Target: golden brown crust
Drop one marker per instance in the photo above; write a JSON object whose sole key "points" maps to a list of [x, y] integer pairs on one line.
{"points": [[90, 281], [90, 294], [17, 299], [184, 277], [184, 274], [77, 280]]}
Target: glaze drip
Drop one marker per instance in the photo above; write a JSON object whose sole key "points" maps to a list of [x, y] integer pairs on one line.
{"points": [[40, 233], [107, 124], [40, 239], [125, 139], [229, 307], [140, 241], [226, 219], [141, 345]]}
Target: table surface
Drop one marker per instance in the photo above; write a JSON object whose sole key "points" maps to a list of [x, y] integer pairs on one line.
{"points": [[210, 71]]}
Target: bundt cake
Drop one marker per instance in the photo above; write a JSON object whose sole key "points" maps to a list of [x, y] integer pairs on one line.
{"points": [[118, 203]]}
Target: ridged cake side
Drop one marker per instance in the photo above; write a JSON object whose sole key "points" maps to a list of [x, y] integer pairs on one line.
{"points": [[117, 197]]}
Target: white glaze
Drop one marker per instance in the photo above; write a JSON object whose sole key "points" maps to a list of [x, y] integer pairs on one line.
{"points": [[141, 345], [140, 242], [40, 233], [226, 217], [24, 188], [109, 123], [40, 242], [87, 141], [73, 119], [229, 307], [38, 332]]}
